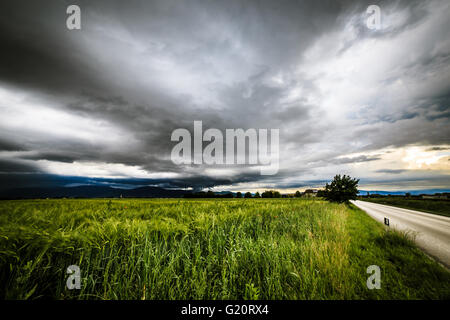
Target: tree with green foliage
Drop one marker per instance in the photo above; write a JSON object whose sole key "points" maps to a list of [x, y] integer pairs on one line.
{"points": [[267, 194], [341, 189], [247, 195], [239, 195], [321, 193], [257, 195], [271, 194], [298, 194]]}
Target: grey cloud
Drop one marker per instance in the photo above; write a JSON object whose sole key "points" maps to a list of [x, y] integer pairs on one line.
{"points": [[233, 49], [437, 149], [14, 166], [391, 171], [355, 159], [8, 145]]}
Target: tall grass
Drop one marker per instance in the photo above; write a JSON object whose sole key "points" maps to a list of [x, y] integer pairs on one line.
{"points": [[205, 249]]}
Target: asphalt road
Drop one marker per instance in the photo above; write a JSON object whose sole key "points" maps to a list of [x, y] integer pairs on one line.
{"points": [[432, 231]]}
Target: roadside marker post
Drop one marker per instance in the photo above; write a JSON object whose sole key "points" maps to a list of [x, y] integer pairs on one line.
{"points": [[386, 221]]}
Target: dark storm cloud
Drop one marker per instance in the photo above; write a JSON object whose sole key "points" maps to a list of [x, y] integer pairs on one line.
{"points": [[145, 68], [53, 63], [6, 145], [38, 52], [11, 166], [17, 178]]}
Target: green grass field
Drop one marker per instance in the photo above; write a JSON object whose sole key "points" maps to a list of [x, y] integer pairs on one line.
{"points": [[207, 249], [441, 207]]}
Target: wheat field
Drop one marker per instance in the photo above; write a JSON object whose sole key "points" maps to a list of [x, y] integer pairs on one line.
{"points": [[207, 249]]}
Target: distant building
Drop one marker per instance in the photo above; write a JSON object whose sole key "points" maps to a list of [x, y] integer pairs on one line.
{"points": [[310, 193]]}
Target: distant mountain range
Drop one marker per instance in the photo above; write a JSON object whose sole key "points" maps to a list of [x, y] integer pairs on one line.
{"points": [[90, 192], [96, 191], [413, 192]]}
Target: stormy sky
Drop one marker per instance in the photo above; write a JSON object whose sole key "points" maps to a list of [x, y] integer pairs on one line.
{"points": [[98, 105]]}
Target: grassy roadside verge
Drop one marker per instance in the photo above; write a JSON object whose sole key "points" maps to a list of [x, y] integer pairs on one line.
{"points": [[441, 207], [407, 273], [207, 249]]}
